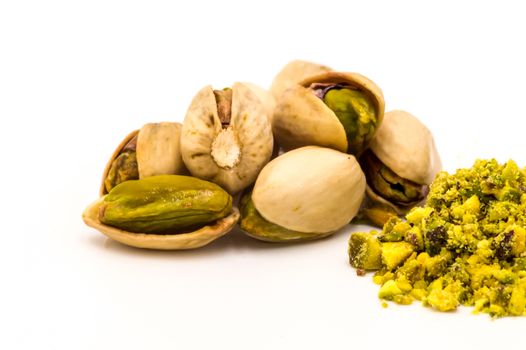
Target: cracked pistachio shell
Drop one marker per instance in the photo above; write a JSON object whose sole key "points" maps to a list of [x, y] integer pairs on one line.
{"points": [[231, 155], [162, 212], [293, 73], [310, 189], [301, 118], [407, 147], [158, 151]]}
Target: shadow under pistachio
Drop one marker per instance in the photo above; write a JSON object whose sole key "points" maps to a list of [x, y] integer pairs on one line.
{"points": [[235, 240]]}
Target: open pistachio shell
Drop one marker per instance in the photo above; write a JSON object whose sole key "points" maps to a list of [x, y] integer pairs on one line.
{"points": [[179, 241], [302, 118], [294, 72], [231, 152], [157, 151], [407, 147], [310, 189]]}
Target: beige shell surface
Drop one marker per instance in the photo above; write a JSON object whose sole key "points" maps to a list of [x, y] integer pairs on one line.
{"points": [[294, 72], [158, 149], [269, 102], [407, 147], [181, 241], [310, 189], [124, 142], [248, 138], [301, 118]]}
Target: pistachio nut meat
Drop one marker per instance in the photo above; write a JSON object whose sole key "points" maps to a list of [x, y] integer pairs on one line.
{"points": [[152, 150], [304, 194], [163, 212], [400, 164], [342, 111], [294, 72], [227, 136]]}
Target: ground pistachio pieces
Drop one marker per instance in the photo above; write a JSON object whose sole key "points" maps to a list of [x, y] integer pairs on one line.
{"points": [[467, 246]]}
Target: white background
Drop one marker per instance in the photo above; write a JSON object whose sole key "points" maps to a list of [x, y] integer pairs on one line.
{"points": [[76, 77]]}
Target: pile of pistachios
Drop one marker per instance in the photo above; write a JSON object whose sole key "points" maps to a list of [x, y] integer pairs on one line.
{"points": [[297, 162]]}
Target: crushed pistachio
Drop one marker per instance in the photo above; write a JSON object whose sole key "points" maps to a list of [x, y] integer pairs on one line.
{"points": [[467, 246]]}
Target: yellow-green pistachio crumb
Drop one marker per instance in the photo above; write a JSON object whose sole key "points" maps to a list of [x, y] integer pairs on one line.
{"points": [[466, 246]]}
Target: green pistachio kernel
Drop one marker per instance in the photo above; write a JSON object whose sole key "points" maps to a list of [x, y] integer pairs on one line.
{"points": [[357, 114], [164, 204]]}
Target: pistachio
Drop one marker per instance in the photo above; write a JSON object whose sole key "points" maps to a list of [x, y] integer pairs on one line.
{"points": [[152, 150], [336, 110], [399, 165], [306, 193], [293, 73], [163, 212], [227, 136]]}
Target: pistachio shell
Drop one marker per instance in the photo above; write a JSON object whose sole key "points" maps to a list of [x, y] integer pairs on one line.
{"points": [[310, 189], [232, 156], [158, 149], [189, 240], [294, 72], [407, 147], [269, 102], [301, 118]]}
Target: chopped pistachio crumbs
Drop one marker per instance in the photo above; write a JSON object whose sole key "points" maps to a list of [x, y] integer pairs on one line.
{"points": [[465, 247]]}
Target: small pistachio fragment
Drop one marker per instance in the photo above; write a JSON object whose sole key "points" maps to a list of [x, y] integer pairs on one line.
{"points": [[227, 136], [336, 110], [254, 225], [163, 212], [293, 73], [400, 164], [152, 150], [306, 193]]}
